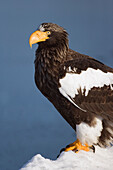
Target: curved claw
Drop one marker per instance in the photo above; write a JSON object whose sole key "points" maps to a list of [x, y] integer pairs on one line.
{"points": [[93, 148]]}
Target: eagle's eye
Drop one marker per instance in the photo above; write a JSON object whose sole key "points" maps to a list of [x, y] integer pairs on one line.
{"points": [[48, 32]]}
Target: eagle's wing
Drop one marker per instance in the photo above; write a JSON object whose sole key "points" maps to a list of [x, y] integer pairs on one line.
{"points": [[88, 84]]}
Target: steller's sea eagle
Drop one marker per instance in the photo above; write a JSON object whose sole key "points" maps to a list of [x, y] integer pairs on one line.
{"points": [[79, 86]]}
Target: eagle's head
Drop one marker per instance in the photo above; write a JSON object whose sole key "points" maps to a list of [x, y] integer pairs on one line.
{"points": [[49, 35]]}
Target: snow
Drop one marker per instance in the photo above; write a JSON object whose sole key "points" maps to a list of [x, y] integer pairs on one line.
{"points": [[101, 159]]}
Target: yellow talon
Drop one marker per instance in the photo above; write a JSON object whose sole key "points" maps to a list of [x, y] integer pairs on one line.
{"points": [[77, 146], [70, 148]]}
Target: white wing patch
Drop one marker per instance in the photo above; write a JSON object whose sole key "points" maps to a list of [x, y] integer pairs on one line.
{"points": [[86, 80], [68, 97]]}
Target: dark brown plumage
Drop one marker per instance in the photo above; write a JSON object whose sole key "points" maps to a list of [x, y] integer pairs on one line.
{"points": [[53, 61]]}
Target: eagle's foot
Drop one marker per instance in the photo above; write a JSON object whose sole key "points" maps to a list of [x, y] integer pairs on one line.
{"points": [[77, 146]]}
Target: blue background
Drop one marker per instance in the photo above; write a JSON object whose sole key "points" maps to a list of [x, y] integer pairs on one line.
{"points": [[29, 124]]}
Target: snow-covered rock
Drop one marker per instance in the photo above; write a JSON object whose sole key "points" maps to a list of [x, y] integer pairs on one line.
{"points": [[102, 159]]}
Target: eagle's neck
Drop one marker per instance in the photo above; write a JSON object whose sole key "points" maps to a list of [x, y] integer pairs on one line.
{"points": [[47, 64]]}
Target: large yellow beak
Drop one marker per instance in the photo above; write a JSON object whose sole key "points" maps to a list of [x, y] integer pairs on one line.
{"points": [[37, 36]]}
